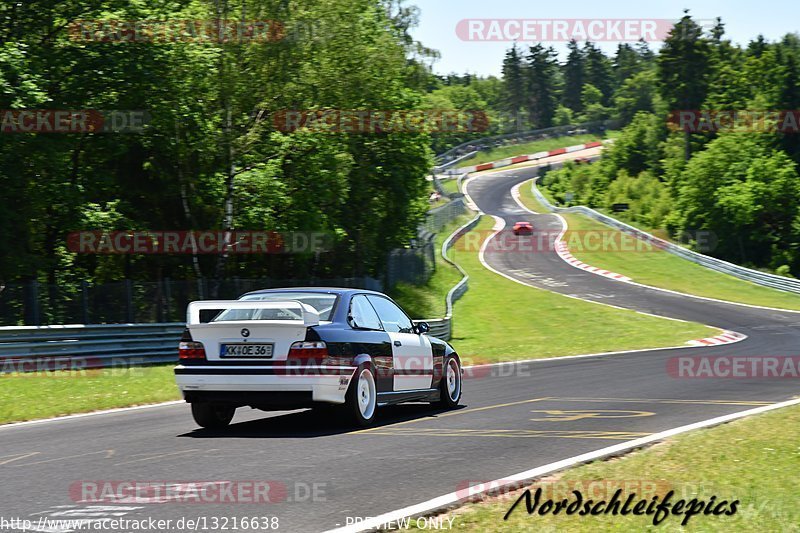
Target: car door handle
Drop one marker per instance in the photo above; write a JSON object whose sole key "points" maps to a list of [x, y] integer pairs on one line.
{"points": [[398, 343]]}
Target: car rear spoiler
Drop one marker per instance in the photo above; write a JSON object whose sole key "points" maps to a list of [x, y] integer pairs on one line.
{"points": [[309, 314]]}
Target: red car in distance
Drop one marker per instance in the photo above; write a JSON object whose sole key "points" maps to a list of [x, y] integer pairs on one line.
{"points": [[523, 228]]}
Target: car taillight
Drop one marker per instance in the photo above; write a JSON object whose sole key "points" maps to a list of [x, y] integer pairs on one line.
{"points": [[308, 351], [191, 350]]}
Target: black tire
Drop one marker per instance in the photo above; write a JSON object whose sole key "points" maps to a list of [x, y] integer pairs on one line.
{"points": [[354, 410], [212, 415], [451, 383]]}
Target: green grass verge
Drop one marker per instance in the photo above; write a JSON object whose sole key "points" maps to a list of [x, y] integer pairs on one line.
{"points": [[530, 201], [541, 329], [754, 460], [653, 266], [450, 186], [500, 320], [503, 152], [47, 394], [428, 300]]}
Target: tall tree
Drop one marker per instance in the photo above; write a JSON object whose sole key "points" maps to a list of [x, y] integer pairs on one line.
{"points": [[541, 76], [627, 62], [683, 67], [789, 101], [514, 87], [599, 71], [573, 74]]}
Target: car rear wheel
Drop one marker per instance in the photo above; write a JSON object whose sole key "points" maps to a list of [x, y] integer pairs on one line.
{"points": [[450, 385], [362, 398], [212, 415]]}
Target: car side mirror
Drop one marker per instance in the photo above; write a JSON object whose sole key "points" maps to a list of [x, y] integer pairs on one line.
{"points": [[423, 327]]}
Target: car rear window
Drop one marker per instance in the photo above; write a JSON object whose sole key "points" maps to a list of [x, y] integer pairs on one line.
{"points": [[323, 302]]}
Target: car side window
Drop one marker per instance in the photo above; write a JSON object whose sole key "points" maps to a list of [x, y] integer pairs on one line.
{"points": [[362, 313], [392, 317]]}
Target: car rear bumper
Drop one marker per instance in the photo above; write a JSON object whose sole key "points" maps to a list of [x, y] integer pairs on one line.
{"points": [[263, 385]]}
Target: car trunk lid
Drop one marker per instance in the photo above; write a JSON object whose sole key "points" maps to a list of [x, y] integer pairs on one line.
{"points": [[249, 330]]}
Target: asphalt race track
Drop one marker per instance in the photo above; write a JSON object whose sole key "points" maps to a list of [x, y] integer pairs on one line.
{"points": [[515, 418]]}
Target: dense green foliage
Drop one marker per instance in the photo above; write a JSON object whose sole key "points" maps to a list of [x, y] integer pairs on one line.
{"points": [[211, 157], [737, 187]]}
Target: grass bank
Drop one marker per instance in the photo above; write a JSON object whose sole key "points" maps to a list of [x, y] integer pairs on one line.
{"points": [[450, 186], [653, 266], [47, 394], [488, 327], [500, 320], [502, 152], [428, 300], [753, 460]]}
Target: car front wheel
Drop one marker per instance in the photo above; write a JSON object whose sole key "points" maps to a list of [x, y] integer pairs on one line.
{"points": [[212, 415]]}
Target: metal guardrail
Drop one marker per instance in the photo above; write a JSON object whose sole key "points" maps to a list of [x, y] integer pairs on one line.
{"points": [[524, 136], [443, 327], [81, 346], [754, 276], [137, 302], [452, 162], [78, 346], [438, 217]]}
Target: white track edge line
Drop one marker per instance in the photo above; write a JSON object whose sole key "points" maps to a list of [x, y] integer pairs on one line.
{"points": [[90, 413], [454, 499], [678, 293], [565, 226], [465, 367], [578, 356], [507, 276]]}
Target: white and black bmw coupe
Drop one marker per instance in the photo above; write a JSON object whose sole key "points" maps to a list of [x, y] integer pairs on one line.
{"points": [[291, 348]]}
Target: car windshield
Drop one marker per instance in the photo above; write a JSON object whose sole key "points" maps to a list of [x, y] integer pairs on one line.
{"points": [[323, 302]]}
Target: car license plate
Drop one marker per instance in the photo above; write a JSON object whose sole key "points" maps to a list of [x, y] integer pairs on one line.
{"points": [[248, 349]]}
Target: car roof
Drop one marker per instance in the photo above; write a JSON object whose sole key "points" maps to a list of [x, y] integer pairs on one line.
{"points": [[330, 290], [340, 311], [522, 224]]}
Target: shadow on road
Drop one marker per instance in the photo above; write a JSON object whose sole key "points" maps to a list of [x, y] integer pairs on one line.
{"points": [[312, 423]]}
